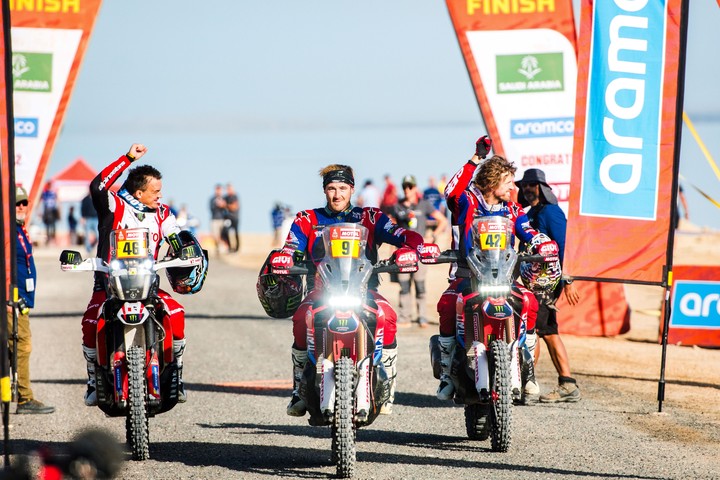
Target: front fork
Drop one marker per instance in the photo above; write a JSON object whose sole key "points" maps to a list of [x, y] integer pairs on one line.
{"points": [[493, 320]]}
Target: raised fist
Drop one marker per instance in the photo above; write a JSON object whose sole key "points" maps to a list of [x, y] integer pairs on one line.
{"points": [[483, 146]]}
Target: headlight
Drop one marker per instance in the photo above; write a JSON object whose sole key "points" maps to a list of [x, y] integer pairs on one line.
{"points": [[495, 289], [344, 301], [115, 265]]}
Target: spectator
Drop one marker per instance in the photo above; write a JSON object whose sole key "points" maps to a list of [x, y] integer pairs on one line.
{"points": [[412, 212], [51, 211], [218, 209], [72, 226], [232, 203], [26, 279], [277, 216], [442, 184], [547, 217], [390, 197], [436, 199], [369, 195], [89, 219]]}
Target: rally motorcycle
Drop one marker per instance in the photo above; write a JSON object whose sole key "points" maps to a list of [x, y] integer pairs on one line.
{"points": [[490, 363], [345, 383], [136, 373]]}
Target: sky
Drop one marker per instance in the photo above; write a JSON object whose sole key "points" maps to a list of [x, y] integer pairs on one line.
{"points": [[264, 94]]}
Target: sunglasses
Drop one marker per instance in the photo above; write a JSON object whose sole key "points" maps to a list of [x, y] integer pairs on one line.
{"points": [[22, 203]]}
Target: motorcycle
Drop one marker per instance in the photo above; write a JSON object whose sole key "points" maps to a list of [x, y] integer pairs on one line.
{"points": [[345, 383], [136, 373], [490, 364]]}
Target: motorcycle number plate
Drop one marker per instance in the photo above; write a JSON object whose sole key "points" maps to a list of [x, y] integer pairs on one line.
{"points": [[345, 248], [133, 248], [492, 241]]}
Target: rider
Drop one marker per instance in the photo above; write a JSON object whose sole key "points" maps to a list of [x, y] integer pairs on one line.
{"points": [[303, 241], [135, 205], [488, 194]]}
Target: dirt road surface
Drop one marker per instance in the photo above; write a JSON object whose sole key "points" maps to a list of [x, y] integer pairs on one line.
{"points": [[238, 382]]}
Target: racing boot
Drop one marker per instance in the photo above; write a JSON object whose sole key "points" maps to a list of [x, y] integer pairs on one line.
{"points": [[296, 407], [531, 387], [446, 389], [389, 360], [178, 351], [91, 392]]}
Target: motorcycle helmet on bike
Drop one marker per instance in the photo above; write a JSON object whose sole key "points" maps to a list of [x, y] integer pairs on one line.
{"points": [[541, 277], [280, 295], [187, 280]]}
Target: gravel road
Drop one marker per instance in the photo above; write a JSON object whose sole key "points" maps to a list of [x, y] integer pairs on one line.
{"points": [[238, 381]]}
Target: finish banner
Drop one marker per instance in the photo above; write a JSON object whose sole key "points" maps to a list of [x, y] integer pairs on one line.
{"points": [[49, 40], [521, 58], [625, 132]]}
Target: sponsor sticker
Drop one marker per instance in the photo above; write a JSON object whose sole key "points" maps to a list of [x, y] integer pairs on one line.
{"points": [[26, 127], [530, 73], [696, 304], [542, 127], [32, 72]]}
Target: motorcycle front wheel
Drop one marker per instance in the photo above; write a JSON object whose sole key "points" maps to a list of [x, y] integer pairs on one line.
{"points": [[501, 396], [343, 429], [136, 421]]}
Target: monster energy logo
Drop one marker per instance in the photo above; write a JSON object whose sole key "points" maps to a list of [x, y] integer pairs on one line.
{"points": [[499, 308], [71, 256]]}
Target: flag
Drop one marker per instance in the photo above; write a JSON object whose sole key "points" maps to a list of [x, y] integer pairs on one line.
{"points": [[624, 171], [49, 41], [522, 61]]}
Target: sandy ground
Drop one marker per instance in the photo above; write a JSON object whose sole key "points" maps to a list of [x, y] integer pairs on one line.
{"points": [[627, 367]]}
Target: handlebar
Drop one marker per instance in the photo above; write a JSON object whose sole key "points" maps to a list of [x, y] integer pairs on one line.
{"points": [[450, 256], [72, 261]]}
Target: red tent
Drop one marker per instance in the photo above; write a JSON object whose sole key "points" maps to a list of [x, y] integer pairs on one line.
{"points": [[73, 182]]}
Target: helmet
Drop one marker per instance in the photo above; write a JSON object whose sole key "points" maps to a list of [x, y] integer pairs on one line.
{"points": [[541, 277], [187, 280], [280, 295]]}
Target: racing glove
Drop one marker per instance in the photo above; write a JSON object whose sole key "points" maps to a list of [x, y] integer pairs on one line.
{"points": [[483, 146]]}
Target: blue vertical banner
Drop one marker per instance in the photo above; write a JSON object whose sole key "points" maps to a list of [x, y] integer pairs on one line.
{"points": [[625, 93]]}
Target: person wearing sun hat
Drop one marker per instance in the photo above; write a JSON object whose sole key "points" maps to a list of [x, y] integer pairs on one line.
{"points": [[541, 206], [26, 282]]}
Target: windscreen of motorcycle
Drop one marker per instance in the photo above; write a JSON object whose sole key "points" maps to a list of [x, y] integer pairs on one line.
{"points": [[493, 257], [131, 274], [345, 269]]}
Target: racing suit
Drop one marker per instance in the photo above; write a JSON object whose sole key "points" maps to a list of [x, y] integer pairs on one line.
{"points": [[122, 210], [304, 240], [464, 202]]}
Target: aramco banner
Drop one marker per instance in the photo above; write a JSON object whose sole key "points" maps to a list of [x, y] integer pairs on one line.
{"points": [[48, 40], [625, 126], [521, 58], [695, 306]]}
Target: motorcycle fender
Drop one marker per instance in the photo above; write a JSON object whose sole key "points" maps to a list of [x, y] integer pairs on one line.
{"points": [[345, 342], [326, 373], [480, 364], [134, 335], [515, 381], [362, 392]]}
